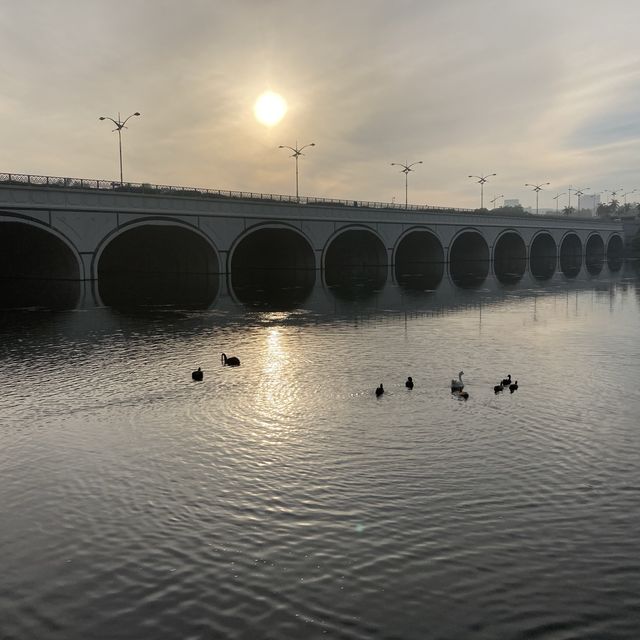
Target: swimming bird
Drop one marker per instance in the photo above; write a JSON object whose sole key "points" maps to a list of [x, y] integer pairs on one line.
{"points": [[197, 375], [379, 390], [231, 362], [513, 387], [457, 385], [463, 395], [409, 383], [498, 388], [507, 381]]}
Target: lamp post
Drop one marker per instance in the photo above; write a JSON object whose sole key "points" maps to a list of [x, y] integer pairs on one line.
{"points": [[614, 193], [481, 181], [537, 188], [556, 197], [297, 152], [119, 127], [493, 202], [580, 193], [405, 169], [628, 193]]}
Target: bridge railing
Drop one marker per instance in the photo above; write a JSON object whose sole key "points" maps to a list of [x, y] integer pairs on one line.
{"points": [[12, 179]]}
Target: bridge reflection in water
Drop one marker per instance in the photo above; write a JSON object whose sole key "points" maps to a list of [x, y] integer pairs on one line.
{"points": [[427, 286]]}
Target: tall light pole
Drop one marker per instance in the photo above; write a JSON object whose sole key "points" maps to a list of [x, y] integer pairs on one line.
{"points": [[119, 127], [537, 188], [405, 169], [493, 202], [628, 193], [556, 198], [570, 189], [580, 193], [297, 152], [615, 193], [481, 181]]}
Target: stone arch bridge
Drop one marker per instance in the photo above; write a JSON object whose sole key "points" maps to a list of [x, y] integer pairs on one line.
{"points": [[90, 230]]}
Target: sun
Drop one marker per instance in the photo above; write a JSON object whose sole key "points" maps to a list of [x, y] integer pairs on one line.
{"points": [[270, 108]]}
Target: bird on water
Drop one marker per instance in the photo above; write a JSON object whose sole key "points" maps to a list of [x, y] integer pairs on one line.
{"points": [[197, 374], [506, 381], [409, 383], [379, 390], [231, 361], [457, 385], [513, 387], [498, 388]]}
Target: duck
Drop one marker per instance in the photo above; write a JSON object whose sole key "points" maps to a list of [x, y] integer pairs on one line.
{"points": [[379, 390], [409, 383], [498, 388], [197, 374], [507, 381], [513, 387], [462, 395], [231, 362], [457, 385]]}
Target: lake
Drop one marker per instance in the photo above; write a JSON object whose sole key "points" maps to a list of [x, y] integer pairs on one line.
{"points": [[281, 499]]}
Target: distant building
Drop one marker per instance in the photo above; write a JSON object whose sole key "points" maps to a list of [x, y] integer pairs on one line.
{"points": [[589, 202], [511, 202]]}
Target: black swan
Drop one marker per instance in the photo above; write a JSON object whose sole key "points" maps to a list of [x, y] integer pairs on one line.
{"points": [[498, 388], [379, 390], [197, 375], [513, 387], [409, 383], [457, 385], [231, 362], [507, 381]]}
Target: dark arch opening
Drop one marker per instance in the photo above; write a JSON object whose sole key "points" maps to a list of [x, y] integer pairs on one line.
{"points": [[594, 254], [419, 261], [469, 260], [571, 255], [510, 258], [273, 269], [615, 253], [36, 269], [158, 265], [543, 256], [355, 264]]}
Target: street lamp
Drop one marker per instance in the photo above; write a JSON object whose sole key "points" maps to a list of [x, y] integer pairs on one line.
{"points": [[405, 169], [119, 127], [481, 181], [628, 193], [580, 193], [537, 188], [614, 193], [297, 152], [556, 199], [493, 202]]}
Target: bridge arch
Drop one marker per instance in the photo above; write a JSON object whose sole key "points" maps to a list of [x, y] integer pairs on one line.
{"points": [[157, 261], [570, 254], [272, 264], [469, 257], [419, 259], [355, 254], [594, 253], [30, 249], [509, 256], [543, 255], [615, 252]]}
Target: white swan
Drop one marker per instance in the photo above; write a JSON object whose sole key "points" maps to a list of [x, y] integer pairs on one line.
{"points": [[457, 385]]}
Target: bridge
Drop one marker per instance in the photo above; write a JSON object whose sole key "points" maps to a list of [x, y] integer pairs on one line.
{"points": [[91, 230]]}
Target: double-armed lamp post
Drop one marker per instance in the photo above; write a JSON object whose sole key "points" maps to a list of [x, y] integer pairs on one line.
{"points": [[406, 168], [493, 202], [537, 188], [481, 181], [119, 127], [297, 152]]}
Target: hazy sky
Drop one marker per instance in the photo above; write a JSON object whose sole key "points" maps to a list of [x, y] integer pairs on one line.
{"points": [[533, 91]]}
